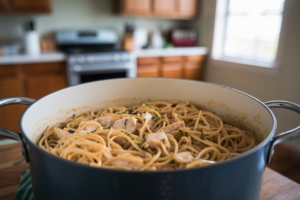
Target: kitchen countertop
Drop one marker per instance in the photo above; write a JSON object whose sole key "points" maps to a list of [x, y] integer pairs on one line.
{"points": [[275, 186], [44, 57], [178, 51], [59, 56]]}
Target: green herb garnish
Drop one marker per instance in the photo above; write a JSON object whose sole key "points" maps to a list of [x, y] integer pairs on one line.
{"points": [[71, 131], [163, 140], [128, 134], [113, 111], [93, 131], [144, 137], [130, 111], [103, 125], [109, 126], [94, 117], [202, 136], [171, 149], [73, 115], [78, 146]]}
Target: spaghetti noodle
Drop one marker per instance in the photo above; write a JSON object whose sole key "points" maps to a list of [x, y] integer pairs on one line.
{"points": [[156, 135]]}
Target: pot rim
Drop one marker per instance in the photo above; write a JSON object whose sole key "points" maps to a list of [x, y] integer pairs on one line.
{"points": [[245, 154]]}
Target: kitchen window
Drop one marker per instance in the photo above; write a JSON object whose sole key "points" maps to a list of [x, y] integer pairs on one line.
{"points": [[247, 31]]}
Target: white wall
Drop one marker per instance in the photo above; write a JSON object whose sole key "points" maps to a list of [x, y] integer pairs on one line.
{"points": [[78, 14], [285, 85]]}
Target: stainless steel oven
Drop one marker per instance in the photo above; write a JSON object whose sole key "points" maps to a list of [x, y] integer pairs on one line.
{"points": [[92, 55]]}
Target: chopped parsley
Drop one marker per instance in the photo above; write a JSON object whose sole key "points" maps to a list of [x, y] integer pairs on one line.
{"points": [[103, 125], [144, 137], [147, 105], [130, 111], [113, 111], [128, 134], [71, 131], [163, 140], [202, 136], [171, 149], [94, 117], [78, 146], [109, 126], [73, 115], [93, 131]]}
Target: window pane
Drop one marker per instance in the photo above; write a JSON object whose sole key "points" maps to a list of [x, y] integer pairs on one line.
{"points": [[252, 29]]}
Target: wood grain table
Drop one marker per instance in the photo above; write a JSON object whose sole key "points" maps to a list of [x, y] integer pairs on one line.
{"points": [[275, 186]]}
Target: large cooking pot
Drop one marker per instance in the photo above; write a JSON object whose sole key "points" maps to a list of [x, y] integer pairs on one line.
{"points": [[237, 178]]}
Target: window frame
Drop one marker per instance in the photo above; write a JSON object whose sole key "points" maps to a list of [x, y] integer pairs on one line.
{"points": [[219, 25]]}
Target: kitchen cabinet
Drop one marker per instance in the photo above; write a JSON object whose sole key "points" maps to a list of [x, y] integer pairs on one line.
{"points": [[186, 8], [163, 7], [136, 7], [187, 67], [171, 70], [26, 6], [174, 9], [29, 80]]}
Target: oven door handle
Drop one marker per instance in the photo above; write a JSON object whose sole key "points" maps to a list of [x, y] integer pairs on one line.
{"points": [[80, 69]]}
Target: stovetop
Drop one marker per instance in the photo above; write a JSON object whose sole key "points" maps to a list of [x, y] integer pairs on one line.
{"points": [[86, 49]]}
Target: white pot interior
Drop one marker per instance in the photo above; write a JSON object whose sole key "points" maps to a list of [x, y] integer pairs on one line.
{"points": [[237, 108]]}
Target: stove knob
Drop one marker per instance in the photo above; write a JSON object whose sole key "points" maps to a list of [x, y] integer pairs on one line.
{"points": [[125, 57], [80, 59], [116, 57], [90, 58]]}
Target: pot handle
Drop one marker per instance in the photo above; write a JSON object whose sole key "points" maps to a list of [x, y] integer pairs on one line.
{"points": [[288, 135], [11, 134]]}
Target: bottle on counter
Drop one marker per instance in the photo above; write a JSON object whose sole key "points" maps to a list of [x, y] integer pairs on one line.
{"points": [[31, 39]]}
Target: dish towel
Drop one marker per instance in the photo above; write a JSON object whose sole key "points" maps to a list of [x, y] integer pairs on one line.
{"points": [[25, 191]]}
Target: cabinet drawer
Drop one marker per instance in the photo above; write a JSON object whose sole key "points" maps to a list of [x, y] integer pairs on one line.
{"points": [[171, 70], [192, 71], [171, 59], [197, 58], [146, 61], [44, 68], [8, 70], [147, 71]]}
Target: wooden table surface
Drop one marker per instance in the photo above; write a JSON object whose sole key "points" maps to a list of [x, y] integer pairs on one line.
{"points": [[275, 186]]}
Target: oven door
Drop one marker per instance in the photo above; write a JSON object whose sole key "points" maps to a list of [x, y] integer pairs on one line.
{"points": [[93, 72]]}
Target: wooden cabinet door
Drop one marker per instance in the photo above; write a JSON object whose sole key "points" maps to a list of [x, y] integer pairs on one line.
{"points": [[41, 85], [31, 5], [192, 71], [163, 7], [172, 70], [147, 71], [136, 7], [186, 8], [10, 115]]}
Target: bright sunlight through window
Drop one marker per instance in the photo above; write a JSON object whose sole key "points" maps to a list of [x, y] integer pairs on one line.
{"points": [[247, 31]]}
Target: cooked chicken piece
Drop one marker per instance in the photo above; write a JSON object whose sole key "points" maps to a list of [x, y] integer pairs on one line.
{"points": [[147, 116], [157, 139], [126, 163], [89, 127], [173, 127], [127, 123], [107, 120], [59, 133], [184, 157]]}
